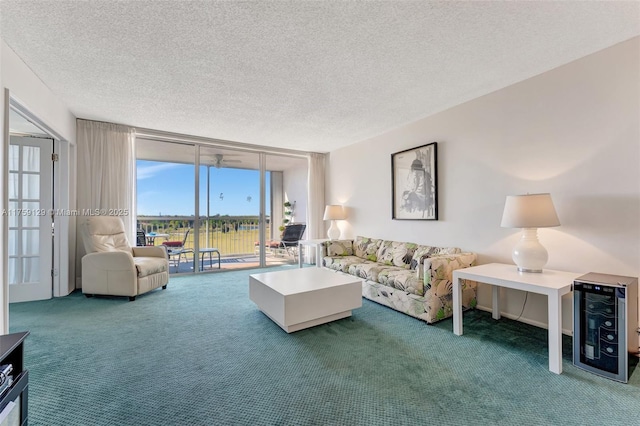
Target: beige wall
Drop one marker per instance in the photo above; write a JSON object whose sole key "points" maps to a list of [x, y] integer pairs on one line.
{"points": [[573, 131]]}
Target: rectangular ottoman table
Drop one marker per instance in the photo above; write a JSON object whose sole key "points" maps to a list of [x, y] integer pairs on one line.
{"points": [[301, 298]]}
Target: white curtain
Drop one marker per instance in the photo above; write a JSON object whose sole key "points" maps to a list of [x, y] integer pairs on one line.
{"points": [[315, 202], [106, 173]]}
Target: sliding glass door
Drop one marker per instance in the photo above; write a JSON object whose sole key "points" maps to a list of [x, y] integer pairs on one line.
{"points": [[229, 208], [238, 205], [166, 199]]}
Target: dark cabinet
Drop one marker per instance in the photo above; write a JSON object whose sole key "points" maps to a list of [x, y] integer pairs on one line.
{"points": [[12, 352]]}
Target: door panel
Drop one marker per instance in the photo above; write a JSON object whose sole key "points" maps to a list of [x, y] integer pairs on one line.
{"points": [[30, 221], [229, 200]]}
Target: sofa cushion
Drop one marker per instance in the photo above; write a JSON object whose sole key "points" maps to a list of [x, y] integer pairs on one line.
{"points": [[341, 263], [339, 248], [366, 248], [393, 253], [150, 265], [368, 270], [402, 279]]}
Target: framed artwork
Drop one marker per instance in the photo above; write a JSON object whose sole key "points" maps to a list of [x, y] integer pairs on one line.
{"points": [[414, 180]]}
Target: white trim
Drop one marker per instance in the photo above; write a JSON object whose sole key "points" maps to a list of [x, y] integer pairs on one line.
{"points": [[64, 282], [262, 222], [21, 109], [4, 229], [196, 208]]}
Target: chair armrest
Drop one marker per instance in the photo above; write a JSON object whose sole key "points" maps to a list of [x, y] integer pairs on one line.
{"points": [[157, 251], [112, 273], [112, 260]]}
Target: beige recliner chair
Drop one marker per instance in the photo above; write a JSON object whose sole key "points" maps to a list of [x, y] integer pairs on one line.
{"points": [[112, 267]]}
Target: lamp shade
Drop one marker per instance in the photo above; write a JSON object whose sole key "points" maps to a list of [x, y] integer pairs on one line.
{"points": [[529, 211], [334, 212]]}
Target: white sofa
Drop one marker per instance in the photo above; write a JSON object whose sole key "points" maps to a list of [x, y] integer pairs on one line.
{"points": [[112, 267], [410, 278]]}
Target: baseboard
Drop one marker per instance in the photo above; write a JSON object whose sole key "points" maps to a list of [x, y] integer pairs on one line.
{"points": [[524, 320]]}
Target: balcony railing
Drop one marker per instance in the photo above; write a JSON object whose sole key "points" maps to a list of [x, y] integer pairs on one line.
{"points": [[233, 237]]}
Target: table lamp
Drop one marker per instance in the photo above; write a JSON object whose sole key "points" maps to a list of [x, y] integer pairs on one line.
{"points": [[333, 213], [529, 212]]}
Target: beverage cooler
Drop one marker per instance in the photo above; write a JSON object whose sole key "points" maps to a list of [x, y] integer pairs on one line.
{"points": [[605, 322]]}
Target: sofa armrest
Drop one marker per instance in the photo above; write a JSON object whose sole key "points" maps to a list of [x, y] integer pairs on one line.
{"points": [[157, 251], [441, 267], [338, 248]]}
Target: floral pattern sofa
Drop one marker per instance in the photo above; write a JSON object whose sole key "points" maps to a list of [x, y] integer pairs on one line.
{"points": [[410, 278]]}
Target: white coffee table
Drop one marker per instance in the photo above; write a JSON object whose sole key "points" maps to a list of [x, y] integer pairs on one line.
{"points": [[301, 298]]}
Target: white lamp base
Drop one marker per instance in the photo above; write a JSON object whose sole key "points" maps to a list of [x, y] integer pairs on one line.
{"points": [[334, 232], [529, 254]]}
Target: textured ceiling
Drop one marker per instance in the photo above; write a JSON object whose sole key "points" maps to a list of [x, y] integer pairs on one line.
{"points": [[302, 75]]}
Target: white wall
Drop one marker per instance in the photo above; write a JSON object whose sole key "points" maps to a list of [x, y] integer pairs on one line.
{"points": [[29, 91], [573, 131], [295, 189], [27, 88]]}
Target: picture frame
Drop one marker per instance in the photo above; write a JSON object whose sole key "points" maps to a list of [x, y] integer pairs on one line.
{"points": [[414, 180]]}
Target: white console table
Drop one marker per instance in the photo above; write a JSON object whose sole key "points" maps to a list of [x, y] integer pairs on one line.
{"points": [[311, 243], [553, 284]]}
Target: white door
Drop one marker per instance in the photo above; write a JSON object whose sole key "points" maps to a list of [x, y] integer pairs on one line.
{"points": [[30, 219]]}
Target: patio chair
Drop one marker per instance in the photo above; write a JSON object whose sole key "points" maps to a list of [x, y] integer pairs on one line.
{"points": [[291, 236], [271, 246], [177, 248]]}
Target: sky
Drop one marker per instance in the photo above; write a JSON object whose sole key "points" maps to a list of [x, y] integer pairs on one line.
{"points": [[167, 189]]}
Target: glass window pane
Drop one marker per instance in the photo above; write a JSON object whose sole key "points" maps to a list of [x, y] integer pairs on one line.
{"points": [[14, 157], [13, 242], [31, 270], [13, 270], [166, 171], [29, 216], [13, 219], [30, 242], [229, 205], [31, 186], [31, 158], [13, 186]]}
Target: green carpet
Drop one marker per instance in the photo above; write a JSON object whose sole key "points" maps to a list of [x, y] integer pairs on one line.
{"points": [[200, 353]]}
